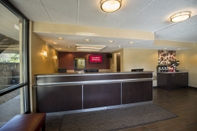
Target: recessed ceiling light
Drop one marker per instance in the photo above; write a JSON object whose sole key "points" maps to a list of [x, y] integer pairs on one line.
{"points": [[87, 39], [84, 47], [164, 48], [110, 5], [119, 46], [179, 49], [110, 41], [181, 16], [68, 46], [60, 48], [60, 38], [54, 43], [131, 42], [16, 26]]}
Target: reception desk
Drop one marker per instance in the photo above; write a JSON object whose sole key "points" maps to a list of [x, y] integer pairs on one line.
{"points": [[64, 92]]}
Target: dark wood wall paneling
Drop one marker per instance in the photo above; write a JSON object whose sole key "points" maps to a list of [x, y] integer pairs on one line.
{"points": [[66, 60]]}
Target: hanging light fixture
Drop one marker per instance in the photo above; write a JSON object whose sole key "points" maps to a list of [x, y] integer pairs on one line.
{"points": [[110, 5], [181, 16]]}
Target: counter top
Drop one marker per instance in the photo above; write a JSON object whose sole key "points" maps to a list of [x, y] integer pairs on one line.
{"points": [[173, 72], [92, 78], [88, 74]]}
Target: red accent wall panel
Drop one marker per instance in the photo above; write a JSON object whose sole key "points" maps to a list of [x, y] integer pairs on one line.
{"points": [[66, 60]]}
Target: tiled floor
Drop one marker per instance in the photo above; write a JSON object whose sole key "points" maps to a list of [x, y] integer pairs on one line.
{"points": [[182, 102]]}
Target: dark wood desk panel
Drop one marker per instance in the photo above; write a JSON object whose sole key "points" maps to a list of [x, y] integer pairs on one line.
{"points": [[101, 95], [136, 92], [60, 98], [172, 80], [64, 92]]}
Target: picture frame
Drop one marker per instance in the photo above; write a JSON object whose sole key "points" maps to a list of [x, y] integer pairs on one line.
{"points": [[79, 63]]}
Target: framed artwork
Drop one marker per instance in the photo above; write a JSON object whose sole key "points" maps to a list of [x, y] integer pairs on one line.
{"points": [[79, 63], [165, 57]]}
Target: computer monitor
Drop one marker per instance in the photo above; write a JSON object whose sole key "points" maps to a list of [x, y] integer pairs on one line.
{"points": [[62, 70], [138, 69], [91, 70]]}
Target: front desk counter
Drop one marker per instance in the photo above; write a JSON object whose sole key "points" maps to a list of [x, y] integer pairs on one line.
{"points": [[64, 92]]}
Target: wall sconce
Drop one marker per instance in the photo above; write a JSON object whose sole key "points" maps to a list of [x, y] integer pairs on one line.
{"points": [[44, 54], [55, 57]]}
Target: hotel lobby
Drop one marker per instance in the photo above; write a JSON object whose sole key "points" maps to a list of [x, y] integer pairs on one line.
{"points": [[77, 56]]}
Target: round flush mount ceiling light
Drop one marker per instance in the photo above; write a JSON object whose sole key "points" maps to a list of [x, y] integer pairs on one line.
{"points": [[181, 16], [110, 6], [87, 40], [60, 38]]}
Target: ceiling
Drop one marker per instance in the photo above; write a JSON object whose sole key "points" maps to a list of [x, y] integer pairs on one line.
{"points": [[9, 36], [150, 16]]}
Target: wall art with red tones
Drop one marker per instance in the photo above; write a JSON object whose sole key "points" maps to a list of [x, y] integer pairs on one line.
{"points": [[165, 57]]}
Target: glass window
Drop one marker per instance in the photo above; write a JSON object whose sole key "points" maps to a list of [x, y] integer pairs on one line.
{"points": [[10, 58], [13, 64]]}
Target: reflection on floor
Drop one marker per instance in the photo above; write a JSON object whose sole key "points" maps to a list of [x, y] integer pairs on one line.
{"points": [[9, 109]]}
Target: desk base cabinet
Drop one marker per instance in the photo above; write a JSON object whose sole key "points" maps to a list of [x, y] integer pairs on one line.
{"points": [[136, 92], [101, 95], [172, 80], [65, 92]]}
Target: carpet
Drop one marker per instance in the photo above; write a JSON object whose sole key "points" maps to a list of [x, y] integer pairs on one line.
{"points": [[115, 119]]}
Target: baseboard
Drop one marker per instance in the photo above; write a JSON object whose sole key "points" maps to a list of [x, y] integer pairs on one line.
{"points": [[192, 87]]}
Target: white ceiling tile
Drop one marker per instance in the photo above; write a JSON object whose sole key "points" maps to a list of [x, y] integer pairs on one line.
{"points": [[156, 15], [140, 15], [185, 31], [89, 13], [129, 9], [32, 9], [61, 11]]}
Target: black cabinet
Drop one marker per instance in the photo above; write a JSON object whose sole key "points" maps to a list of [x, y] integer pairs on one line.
{"points": [[133, 92], [172, 80]]}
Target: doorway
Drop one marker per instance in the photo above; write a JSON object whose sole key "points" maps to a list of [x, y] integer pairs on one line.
{"points": [[118, 62]]}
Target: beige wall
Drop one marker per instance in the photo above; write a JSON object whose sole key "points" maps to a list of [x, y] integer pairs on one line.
{"points": [[148, 59], [188, 61], [40, 64], [140, 58]]}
